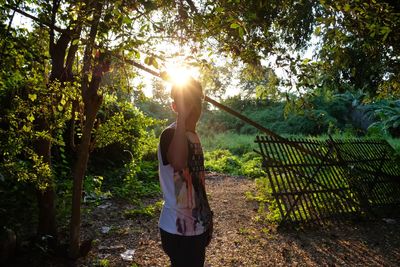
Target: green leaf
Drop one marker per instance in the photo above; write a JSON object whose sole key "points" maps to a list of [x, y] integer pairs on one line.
{"points": [[385, 31], [26, 128], [30, 117], [127, 20], [144, 28], [32, 97], [347, 7], [151, 61], [234, 25], [372, 34], [317, 30], [154, 63]]}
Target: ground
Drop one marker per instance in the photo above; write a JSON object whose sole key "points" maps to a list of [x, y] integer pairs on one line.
{"points": [[239, 238], [242, 240]]}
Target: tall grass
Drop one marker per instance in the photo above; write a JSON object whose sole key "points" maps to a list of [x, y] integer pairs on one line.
{"points": [[232, 153], [237, 144], [240, 144]]}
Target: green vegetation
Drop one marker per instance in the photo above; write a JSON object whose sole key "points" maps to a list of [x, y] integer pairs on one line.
{"points": [[103, 263], [237, 144], [230, 152], [395, 143], [75, 124], [223, 161]]}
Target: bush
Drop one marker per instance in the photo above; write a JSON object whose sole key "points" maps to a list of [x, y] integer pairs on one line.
{"points": [[125, 134], [223, 161], [252, 165], [137, 181]]}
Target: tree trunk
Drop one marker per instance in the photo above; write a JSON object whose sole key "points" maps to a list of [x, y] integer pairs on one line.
{"points": [[92, 102], [92, 105], [61, 70], [47, 215], [78, 175]]}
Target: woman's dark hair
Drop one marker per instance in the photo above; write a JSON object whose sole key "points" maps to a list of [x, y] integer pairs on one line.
{"points": [[192, 90]]}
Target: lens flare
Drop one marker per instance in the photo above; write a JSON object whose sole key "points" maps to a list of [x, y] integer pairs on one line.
{"points": [[180, 75]]}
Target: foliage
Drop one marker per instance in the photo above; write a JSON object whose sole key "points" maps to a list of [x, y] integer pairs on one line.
{"points": [[15, 198], [388, 116], [92, 188], [359, 43], [19, 133], [124, 126], [103, 263], [395, 143], [267, 206], [319, 118], [223, 161], [19, 111], [246, 28], [159, 111], [139, 180]]}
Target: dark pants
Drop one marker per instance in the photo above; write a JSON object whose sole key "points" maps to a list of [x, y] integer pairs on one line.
{"points": [[184, 251]]}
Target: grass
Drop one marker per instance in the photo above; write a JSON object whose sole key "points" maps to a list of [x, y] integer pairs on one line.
{"points": [[237, 144], [231, 153]]}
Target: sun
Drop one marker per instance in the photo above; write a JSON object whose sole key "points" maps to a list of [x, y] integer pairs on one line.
{"points": [[180, 73]]}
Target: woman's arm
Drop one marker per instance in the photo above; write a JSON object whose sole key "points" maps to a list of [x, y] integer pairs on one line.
{"points": [[178, 149]]}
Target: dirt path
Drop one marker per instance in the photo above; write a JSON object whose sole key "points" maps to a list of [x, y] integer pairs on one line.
{"points": [[239, 240]]}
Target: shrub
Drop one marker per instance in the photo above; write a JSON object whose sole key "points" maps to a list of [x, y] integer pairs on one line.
{"points": [[138, 180], [223, 161]]}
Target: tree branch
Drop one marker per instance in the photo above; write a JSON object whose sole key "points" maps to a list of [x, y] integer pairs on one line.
{"points": [[138, 65], [45, 23], [87, 55], [8, 29], [192, 6]]}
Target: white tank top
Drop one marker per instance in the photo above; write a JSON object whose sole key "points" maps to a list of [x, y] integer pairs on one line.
{"points": [[186, 210]]}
